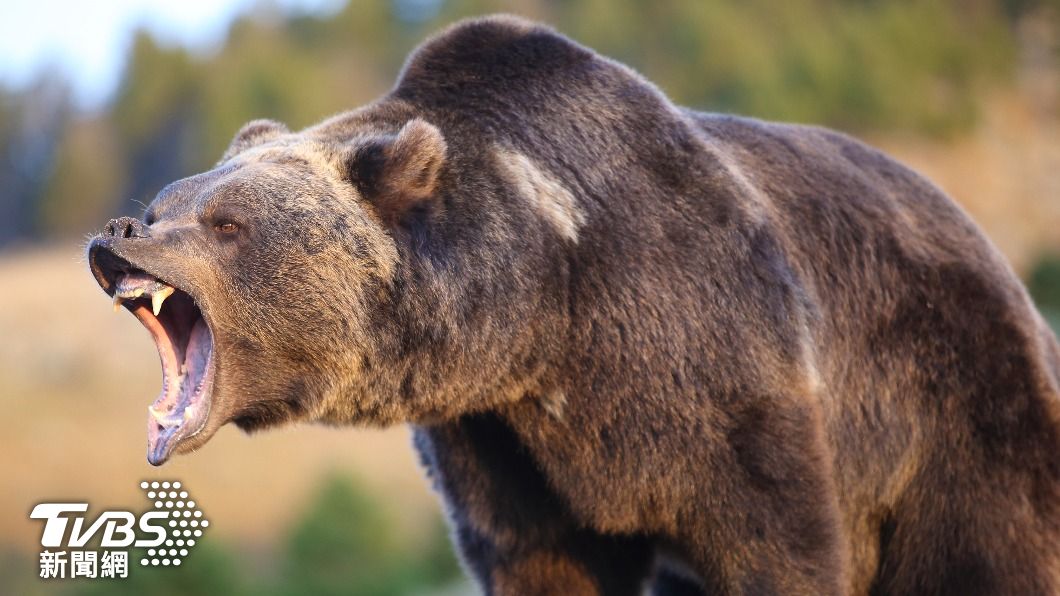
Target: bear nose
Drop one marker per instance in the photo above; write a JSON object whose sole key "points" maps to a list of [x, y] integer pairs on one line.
{"points": [[126, 227]]}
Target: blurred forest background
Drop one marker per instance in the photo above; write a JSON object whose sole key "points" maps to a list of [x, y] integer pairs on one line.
{"points": [[965, 91]]}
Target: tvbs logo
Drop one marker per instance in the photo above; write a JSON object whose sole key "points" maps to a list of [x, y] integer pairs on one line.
{"points": [[168, 531]]}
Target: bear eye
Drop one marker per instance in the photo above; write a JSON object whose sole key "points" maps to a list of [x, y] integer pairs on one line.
{"points": [[226, 227]]}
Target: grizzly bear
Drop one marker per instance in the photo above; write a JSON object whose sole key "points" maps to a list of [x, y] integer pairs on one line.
{"points": [[641, 347]]}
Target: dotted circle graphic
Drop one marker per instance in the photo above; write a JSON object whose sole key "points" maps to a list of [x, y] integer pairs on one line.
{"points": [[183, 512]]}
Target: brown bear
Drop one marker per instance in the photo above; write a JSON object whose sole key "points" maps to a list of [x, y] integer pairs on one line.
{"points": [[640, 345]]}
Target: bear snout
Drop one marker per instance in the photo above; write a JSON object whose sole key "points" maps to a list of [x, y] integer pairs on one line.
{"points": [[126, 227]]}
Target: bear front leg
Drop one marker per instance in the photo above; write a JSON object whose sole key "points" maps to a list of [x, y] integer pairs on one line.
{"points": [[514, 535], [578, 563]]}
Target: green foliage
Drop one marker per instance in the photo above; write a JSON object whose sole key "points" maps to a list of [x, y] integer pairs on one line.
{"points": [[346, 545], [1044, 285], [1044, 282], [18, 574], [83, 180], [854, 65], [915, 65], [158, 83], [1053, 318], [210, 569]]}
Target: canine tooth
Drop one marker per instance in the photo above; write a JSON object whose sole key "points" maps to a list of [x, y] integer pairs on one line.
{"points": [[159, 297], [117, 303]]}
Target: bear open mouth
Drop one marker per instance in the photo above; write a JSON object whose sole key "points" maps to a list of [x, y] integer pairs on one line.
{"points": [[185, 347]]}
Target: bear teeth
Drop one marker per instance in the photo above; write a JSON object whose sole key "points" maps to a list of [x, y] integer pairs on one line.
{"points": [[162, 419], [159, 297]]}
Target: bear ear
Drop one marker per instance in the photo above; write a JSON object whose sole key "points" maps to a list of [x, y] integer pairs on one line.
{"points": [[253, 133], [397, 172]]}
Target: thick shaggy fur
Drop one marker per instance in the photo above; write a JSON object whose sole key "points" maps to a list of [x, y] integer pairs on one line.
{"points": [[639, 343]]}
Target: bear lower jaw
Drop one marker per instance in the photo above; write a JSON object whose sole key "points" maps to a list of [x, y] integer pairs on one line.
{"points": [[185, 348]]}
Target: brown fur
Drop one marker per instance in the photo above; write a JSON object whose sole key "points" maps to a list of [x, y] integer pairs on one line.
{"points": [[637, 341]]}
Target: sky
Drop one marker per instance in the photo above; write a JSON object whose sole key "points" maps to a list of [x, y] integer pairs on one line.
{"points": [[87, 39]]}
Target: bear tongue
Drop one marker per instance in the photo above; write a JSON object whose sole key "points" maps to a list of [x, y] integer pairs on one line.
{"points": [[182, 408]]}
